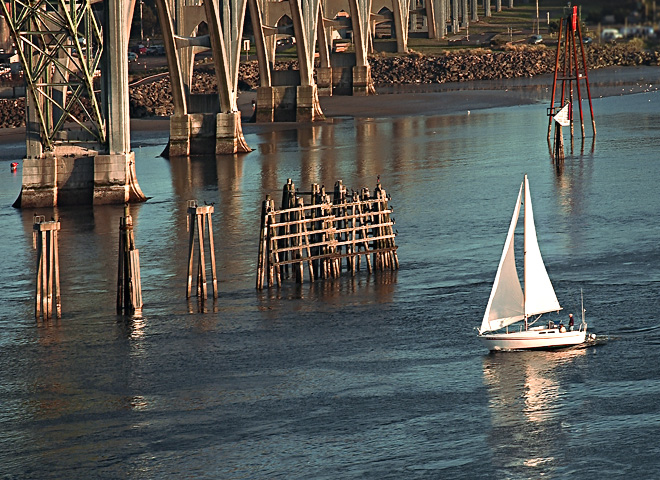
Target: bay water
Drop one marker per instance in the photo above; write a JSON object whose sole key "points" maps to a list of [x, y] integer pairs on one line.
{"points": [[372, 376]]}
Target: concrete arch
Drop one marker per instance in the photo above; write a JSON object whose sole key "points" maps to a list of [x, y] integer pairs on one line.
{"points": [[384, 17], [284, 20]]}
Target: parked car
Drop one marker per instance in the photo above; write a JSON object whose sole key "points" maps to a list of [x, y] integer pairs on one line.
{"points": [[587, 40], [536, 39], [610, 35], [132, 57], [156, 50], [284, 43], [139, 49]]}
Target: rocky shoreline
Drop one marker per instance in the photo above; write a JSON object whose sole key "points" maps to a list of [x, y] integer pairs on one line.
{"points": [[155, 98]]}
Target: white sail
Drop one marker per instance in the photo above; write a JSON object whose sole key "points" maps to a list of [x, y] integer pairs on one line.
{"points": [[505, 305], [540, 296]]}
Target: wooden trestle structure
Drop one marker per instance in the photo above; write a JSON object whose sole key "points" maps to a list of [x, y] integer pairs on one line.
{"points": [[331, 228], [199, 218], [44, 241]]}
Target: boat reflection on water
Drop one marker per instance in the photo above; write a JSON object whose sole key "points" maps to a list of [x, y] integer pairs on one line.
{"points": [[531, 419]]}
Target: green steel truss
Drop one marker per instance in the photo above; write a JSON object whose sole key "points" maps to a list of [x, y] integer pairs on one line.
{"points": [[60, 44]]}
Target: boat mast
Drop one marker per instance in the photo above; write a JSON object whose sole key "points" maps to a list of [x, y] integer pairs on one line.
{"points": [[524, 197]]}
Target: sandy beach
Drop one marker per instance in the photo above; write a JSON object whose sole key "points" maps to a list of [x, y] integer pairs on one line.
{"points": [[452, 98]]}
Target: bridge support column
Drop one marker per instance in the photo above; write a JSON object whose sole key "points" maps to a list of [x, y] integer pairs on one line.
{"points": [[324, 81], [179, 145], [39, 182], [307, 104], [265, 104], [465, 22], [229, 134], [362, 84], [114, 179]]}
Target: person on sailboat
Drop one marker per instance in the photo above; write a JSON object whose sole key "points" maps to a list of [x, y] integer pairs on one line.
{"points": [[571, 322]]}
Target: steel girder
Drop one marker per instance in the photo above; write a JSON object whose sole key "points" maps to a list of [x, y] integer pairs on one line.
{"points": [[60, 45]]}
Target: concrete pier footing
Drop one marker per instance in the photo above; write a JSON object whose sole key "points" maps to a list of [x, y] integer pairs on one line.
{"points": [[291, 103], [276, 104], [229, 137], [179, 145], [115, 180], [39, 182], [324, 81], [362, 83], [75, 176], [308, 108], [205, 134]]}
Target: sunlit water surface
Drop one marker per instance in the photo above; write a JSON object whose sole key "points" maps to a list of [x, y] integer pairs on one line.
{"points": [[377, 376]]}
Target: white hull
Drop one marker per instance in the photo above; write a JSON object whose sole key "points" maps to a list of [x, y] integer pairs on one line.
{"points": [[544, 338]]}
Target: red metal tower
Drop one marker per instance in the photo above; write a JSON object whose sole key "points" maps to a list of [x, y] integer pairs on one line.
{"points": [[573, 68]]}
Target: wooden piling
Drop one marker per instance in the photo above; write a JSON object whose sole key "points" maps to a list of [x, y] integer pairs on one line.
{"points": [[315, 199], [263, 246], [367, 219], [306, 238], [45, 241], [199, 218], [340, 209], [288, 202], [559, 144], [129, 286]]}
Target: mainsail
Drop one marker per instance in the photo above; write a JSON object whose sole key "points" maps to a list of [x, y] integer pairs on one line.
{"points": [[508, 303], [540, 296]]}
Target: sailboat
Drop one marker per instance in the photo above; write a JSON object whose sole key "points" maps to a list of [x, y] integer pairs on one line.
{"points": [[511, 314]]}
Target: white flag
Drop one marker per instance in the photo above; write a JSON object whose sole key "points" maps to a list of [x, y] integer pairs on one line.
{"points": [[562, 117]]}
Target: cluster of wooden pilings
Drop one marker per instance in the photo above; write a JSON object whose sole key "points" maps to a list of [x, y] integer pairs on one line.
{"points": [[129, 285], [332, 232]]}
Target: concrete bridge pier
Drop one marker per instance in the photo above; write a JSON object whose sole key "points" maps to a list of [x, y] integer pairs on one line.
{"points": [[305, 24], [180, 135], [474, 16], [229, 137], [76, 153], [324, 42], [225, 37], [360, 20], [286, 95], [307, 104], [115, 180], [344, 73], [324, 81], [202, 123]]}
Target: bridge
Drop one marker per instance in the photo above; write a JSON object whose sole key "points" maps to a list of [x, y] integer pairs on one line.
{"points": [[78, 135]]}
